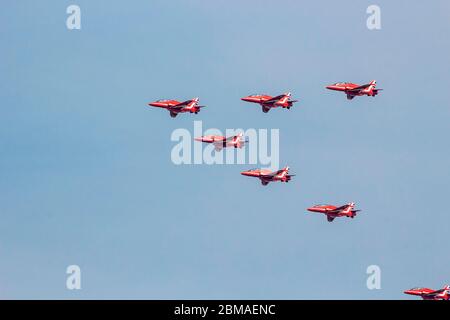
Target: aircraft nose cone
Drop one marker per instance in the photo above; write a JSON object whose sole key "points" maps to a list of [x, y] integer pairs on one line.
{"points": [[199, 139], [246, 173], [246, 99]]}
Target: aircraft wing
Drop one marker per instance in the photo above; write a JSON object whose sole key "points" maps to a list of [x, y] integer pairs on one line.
{"points": [[434, 293], [240, 139], [178, 106], [274, 99], [337, 210], [182, 104], [229, 139], [271, 175], [359, 88]]}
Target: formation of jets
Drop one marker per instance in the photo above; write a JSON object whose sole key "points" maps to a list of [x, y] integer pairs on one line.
{"points": [[268, 102], [284, 101], [430, 294]]}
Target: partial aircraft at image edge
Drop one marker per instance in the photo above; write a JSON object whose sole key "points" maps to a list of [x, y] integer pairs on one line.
{"points": [[430, 294]]}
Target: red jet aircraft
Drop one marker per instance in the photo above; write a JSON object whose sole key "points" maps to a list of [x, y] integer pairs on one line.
{"points": [[221, 142], [175, 107], [268, 102], [352, 90], [430, 294], [267, 176], [332, 211]]}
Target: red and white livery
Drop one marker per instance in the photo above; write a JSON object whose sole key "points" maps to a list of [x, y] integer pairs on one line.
{"points": [[175, 107], [221, 142], [268, 102], [430, 294], [352, 90], [267, 176], [333, 212]]}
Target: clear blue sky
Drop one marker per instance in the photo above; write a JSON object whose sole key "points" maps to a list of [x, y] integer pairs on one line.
{"points": [[86, 176]]}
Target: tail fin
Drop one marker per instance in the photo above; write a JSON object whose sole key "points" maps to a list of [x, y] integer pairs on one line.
{"points": [[370, 88], [192, 103], [283, 173], [237, 139], [348, 211], [286, 97], [446, 293]]}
